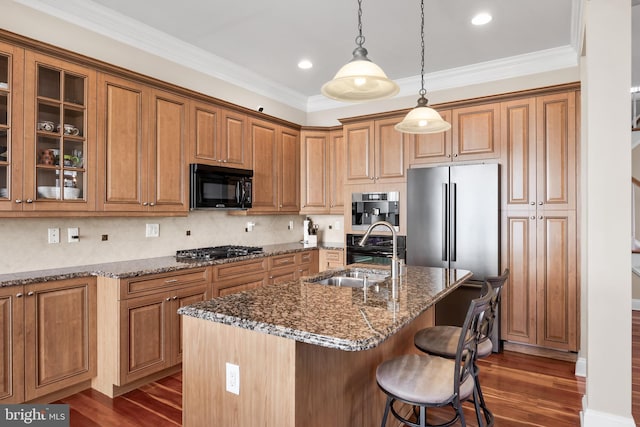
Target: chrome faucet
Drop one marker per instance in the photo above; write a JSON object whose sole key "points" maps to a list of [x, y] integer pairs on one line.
{"points": [[394, 258]]}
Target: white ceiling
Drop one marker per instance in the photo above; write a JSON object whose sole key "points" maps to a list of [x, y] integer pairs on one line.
{"points": [[257, 44]]}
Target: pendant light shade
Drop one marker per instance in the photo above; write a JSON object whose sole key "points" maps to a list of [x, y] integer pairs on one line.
{"points": [[422, 119], [360, 79]]}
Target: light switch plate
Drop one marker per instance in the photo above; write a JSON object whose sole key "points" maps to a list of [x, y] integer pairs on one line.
{"points": [[53, 235], [73, 235]]}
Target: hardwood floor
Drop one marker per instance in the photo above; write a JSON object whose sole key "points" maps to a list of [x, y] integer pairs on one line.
{"points": [[521, 390]]}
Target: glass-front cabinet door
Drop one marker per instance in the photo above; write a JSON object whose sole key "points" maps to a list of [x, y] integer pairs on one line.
{"points": [[11, 63], [59, 135]]}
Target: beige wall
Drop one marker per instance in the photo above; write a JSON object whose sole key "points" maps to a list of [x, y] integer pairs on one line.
{"points": [[635, 168]]}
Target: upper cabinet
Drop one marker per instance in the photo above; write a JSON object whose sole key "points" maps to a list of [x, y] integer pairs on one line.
{"points": [[540, 141], [374, 151], [474, 135], [322, 172], [11, 139], [58, 145], [219, 136], [142, 139], [276, 167]]}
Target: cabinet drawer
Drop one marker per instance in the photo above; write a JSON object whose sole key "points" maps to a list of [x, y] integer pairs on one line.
{"points": [[306, 257], [333, 256], [238, 284], [282, 261], [160, 282], [233, 269]]}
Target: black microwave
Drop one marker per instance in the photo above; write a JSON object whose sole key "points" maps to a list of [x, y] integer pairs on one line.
{"points": [[215, 187]]}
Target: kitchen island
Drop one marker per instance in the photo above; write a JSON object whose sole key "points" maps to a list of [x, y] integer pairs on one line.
{"points": [[306, 352]]}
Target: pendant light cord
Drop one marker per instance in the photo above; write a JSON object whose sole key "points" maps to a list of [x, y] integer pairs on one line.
{"points": [[423, 92], [360, 37]]}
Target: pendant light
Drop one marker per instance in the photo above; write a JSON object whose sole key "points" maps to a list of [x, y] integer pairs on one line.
{"points": [[422, 119], [360, 79]]}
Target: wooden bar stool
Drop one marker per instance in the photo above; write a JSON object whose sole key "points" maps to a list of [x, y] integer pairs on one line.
{"points": [[442, 340], [426, 380]]}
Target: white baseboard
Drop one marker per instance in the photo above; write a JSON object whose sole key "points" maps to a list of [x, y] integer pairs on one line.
{"points": [[635, 304], [581, 367], [592, 418]]}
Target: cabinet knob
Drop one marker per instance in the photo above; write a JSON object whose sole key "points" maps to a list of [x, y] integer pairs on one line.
{"points": [[448, 155], [532, 203], [30, 293], [29, 200], [144, 203], [18, 201], [280, 205], [152, 204], [19, 295], [224, 160], [540, 203], [175, 297], [533, 217], [540, 217], [168, 299], [455, 155]]}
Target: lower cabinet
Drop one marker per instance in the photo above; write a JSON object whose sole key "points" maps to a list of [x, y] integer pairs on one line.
{"points": [[138, 317], [239, 276], [48, 338], [540, 300], [331, 259], [289, 267]]}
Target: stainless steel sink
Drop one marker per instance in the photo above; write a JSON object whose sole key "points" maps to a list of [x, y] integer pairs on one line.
{"points": [[353, 279]]}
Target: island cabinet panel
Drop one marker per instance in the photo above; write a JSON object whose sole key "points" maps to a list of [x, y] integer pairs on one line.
{"points": [[306, 385], [58, 356], [143, 138], [12, 352], [140, 335]]}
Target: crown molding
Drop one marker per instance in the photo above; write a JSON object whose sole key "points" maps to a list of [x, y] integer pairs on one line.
{"points": [[99, 19]]}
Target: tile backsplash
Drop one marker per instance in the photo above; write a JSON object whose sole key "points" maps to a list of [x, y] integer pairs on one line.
{"points": [[24, 247]]}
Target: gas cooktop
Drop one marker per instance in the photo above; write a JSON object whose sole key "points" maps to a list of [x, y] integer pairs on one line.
{"points": [[216, 252]]}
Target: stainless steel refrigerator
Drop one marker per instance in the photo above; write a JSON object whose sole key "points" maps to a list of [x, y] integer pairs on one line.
{"points": [[453, 222]]}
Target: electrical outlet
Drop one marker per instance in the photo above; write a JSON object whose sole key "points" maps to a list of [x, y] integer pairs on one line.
{"points": [[152, 230], [233, 378], [73, 234], [290, 225], [54, 235], [337, 225]]}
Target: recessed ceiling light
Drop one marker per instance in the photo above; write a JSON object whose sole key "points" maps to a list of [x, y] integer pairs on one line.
{"points": [[481, 19], [305, 64]]}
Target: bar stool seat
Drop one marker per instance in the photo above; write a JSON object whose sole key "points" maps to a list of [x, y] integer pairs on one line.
{"points": [[442, 340]]}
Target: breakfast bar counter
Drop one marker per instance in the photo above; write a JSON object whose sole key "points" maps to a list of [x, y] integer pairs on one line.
{"points": [[306, 352]]}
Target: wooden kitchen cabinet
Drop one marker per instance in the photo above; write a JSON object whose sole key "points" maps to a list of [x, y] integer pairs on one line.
{"points": [[41, 357], [293, 266], [219, 136], [276, 168], [539, 229], [59, 136], [375, 151], [330, 259], [140, 329], [540, 302], [142, 134], [11, 126], [240, 276], [322, 172], [12, 354], [474, 135]]}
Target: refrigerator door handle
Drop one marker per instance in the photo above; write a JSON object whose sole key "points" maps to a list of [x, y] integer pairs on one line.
{"points": [[445, 219], [454, 211]]}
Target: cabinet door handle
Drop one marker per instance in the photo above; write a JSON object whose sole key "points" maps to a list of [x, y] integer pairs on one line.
{"points": [[533, 217], [540, 203], [175, 297], [18, 201], [30, 293], [29, 200], [455, 155], [448, 155], [171, 281], [540, 217], [168, 299], [152, 204], [19, 295], [145, 203], [532, 203]]}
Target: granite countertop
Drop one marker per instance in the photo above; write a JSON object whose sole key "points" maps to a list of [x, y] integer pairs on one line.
{"points": [[330, 316], [141, 267]]}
